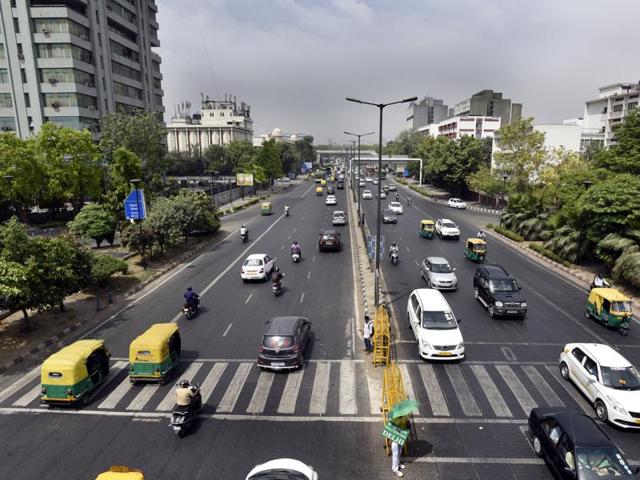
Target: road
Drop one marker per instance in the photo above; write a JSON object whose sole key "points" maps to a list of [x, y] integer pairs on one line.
{"points": [[471, 421]]}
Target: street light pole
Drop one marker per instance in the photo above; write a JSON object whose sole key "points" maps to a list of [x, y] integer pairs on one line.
{"points": [[586, 184], [359, 135], [504, 189], [135, 182], [378, 220], [9, 179]]}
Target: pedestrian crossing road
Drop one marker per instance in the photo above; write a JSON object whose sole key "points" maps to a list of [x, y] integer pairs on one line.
{"points": [[471, 390]]}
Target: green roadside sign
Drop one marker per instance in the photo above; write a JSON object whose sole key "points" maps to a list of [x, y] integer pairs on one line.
{"points": [[395, 433]]}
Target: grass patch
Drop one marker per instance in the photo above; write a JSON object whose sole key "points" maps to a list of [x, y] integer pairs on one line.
{"points": [[549, 254], [506, 232]]}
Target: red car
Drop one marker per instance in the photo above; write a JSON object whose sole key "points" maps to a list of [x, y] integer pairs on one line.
{"points": [[329, 240]]}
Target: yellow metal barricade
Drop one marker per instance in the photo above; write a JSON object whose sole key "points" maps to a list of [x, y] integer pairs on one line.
{"points": [[392, 393], [381, 337]]}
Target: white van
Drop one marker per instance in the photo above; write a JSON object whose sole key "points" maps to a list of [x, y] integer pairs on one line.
{"points": [[434, 326]]}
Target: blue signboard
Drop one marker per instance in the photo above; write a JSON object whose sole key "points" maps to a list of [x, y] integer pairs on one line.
{"points": [[371, 246], [134, 206], [406, 172]]}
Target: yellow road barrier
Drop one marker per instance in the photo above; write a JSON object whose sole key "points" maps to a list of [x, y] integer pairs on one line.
{"points": [[392, 393], [381, 337]]}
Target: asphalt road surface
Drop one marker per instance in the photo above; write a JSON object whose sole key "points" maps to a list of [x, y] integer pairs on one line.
{"points": [[472, 416]]}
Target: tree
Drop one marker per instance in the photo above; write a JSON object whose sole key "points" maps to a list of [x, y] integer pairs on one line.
{"points": [[306, 150], [239, 153], [18, 159], [15, 289], [521, 154], [268, 157], [289, 157], [125, 166], [164, 223], [406, 143], [485, 181], [192, 211], [624, 156], [95, 221], [217, 160], [103, 267], [137, 238]]}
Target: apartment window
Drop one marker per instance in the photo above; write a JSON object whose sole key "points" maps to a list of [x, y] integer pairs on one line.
{"points": [[158, 99], [6, 100], [23, 75], [102, 62], [631, 106], [106, 106], [631, 97], [122, 31], [127, 91], [27, 100], [77, 123], [155, 66], [57, 100], [4, 75], [7, 124], [104, 83], [2, 53], [99, 39], [123, 70], [16, 24], [97, 18], [128, 109], [617, 108], [121, 11], [13, 3], [124, 51], [64, 50], [60, 25], [20, 51], [156, 83], [66, 75]]}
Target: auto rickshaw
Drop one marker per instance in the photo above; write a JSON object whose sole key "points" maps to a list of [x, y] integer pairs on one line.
{"points": [[265, 208], [69, 376], [475, 249], [323, 182], [426, 229], [610, 307], [319, 191], [155, 353], [119, 472]]}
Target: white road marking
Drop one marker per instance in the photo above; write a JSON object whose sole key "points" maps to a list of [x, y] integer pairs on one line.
{"points": [[146, 392], [481, 460], [289, 237], [375, 394], [313, 259], [261, 393], [543, 387], [120, 391], [28, 397], [290, 393], [318, 405], [20, 383], [213, 377], [228, 402], [523, 397], [170, 398], [407, 249], [308, 275], [302, 297], [227, 330], [465, 398], [434, 392], [248, 298], [416, 262], [282, 247], [492, 393], [508, 354], [348, 389]]}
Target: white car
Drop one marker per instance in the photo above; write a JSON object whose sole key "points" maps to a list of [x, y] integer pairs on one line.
{"points": [[382, 194], [607, 379], [257, 266], [438, 273], [283, 468], [434, 326], [331, 200], [396, 207], [339, 218], [369, 179], [375, 181], [366, 194], [447, 229], [457, 203], [361, 183]]}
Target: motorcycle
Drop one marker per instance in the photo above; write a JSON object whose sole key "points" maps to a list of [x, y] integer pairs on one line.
{"points": [[182, 418], [286, 212], [245, 237], [191, 310], [276, 287], [295, 257], [394, 258]]}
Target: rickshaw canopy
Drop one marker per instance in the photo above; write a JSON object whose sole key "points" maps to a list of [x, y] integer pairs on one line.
{"points": [[69, 365], [265, 205], [476, 244], [427, 225], [121, 473], [597, 296], [153, 344]]}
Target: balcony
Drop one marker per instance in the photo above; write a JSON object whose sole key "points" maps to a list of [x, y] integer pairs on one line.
{"points": [[67, 87], [45, 37], [65, 62]]}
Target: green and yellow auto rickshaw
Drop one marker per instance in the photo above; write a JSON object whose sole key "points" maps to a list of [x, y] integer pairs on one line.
{"points": [[155, 353], [319, 191], [610, 307], [475, 249], [69, 376], [427, 228], [118, 472], [265, 208]]}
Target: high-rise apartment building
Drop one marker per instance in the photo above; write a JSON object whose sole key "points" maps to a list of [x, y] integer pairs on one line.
{"points": [[427, 111], [73, 61], [492, 104]]}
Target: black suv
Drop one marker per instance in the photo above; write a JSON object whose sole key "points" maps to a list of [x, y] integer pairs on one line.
{"points": [[499, 292]]}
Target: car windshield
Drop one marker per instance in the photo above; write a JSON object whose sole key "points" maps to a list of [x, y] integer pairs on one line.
{"points": [[279, 474], [338, 215], [601, 464], [277, 341], [395, 204], [386, 211], [504, 285], [621, 306], [328, 236], [438, 320], [621, 378], [252, 262], [441, 268], [449, 225]]}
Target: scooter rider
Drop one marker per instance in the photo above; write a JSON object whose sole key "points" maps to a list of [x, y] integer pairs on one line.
{"points": [[409, 200], [481, 235], [295, 248], [244, 231], [277, 276], [397, 197], [185, 393], [191, 298], [394, 249], [286, 210], [599, 281]]}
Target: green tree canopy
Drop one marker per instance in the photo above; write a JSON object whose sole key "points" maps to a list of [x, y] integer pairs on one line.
{"points": [[95, 221], [268, 158], [624, 156], [125, 166]]}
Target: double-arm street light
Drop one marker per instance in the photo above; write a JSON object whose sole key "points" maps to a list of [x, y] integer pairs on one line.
{"points": [[380, 108], [359, 135]]}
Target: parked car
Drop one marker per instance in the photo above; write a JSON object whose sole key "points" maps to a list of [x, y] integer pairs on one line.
{"points": [[366, 194], [438, 274], [396, 207], [285, 468], [329, 240], [607, 379], [389, 216], [447, 229], [331, 200], [499, 292], [434, 326], [574, 446], [284, 343], [257, 266], [457, 203], [338, 218]]}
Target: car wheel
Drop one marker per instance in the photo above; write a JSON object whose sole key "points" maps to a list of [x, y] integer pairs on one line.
{"points": [[537, 446], [492, 311], [476, 294], [429, 283], [601, 410], [564, 371]]}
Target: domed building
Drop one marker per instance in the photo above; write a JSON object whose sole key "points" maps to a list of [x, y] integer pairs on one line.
{"points": [[278, 136]]}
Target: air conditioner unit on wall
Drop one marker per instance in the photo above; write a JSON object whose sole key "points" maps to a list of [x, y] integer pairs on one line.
{"points": [[45, 31], [53, 80], [21, 56], [55, 105]]}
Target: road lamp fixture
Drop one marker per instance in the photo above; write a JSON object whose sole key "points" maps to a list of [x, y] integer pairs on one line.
{"points": [[9, 179], [586, 184], [380, 108], [359, 135], [136, 182]]}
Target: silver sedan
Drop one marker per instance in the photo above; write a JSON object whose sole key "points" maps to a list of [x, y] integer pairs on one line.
{"points": [[438, 274]]}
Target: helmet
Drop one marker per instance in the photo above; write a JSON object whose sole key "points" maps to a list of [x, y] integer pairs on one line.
{"points": [[277, 269], [190, 289], [393, 244], [243, 226], [184, 383], [295, 242]]}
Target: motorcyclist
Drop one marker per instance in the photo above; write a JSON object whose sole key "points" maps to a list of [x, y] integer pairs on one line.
{"points": [[394, 249], [397, 197], [244, 231], [295, 248], [409, 200], [481, 235], [185, 394], [599, 281], [277, 276], [191, 298], [286, 209]]}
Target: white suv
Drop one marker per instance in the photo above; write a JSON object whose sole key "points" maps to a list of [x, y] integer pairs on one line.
{"points": [[607, 379], [396, 207], [447, 229], [283, 468], [457, 203]]}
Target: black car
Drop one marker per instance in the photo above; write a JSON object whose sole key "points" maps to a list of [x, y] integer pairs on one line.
{"points": [[329, 240], [340, 185], [574, 446], [389, 216], [284, 343], [498, 292]]}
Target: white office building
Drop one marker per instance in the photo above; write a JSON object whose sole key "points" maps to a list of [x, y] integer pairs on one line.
{"points": [[73, 61], [609, 109], [478, 126], [219, 123]]}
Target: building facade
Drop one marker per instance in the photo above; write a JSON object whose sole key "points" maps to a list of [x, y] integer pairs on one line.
{"points": [[603, 114], [478, 126], [218, 123], [491, 104], [71, 62], [427, 111]]}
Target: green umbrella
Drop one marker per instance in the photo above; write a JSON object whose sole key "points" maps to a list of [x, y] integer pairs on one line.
{"points": [[405, 407]]}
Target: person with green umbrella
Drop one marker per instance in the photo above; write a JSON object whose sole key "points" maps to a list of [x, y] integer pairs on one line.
{"points": [[396, 448]]}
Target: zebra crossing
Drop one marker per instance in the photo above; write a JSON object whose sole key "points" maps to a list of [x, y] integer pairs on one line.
{"points": [[334, 388]]}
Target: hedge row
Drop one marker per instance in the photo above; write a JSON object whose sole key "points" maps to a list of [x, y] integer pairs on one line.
{"points": [[506, 232], [549, 254]]}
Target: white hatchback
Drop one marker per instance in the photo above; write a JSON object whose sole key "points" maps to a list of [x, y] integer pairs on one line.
{"points": [[283, 468], [331, 200], [339, 218], [396, 207], [434, 326], [447, 229], [257, 266], [366, 194], [457, 203], [607, 379]]}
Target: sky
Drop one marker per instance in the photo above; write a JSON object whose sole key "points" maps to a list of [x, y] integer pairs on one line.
{"points": [[295, 61]]}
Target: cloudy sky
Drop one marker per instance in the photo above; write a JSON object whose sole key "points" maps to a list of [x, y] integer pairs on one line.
{"points": [[294, 61]]}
